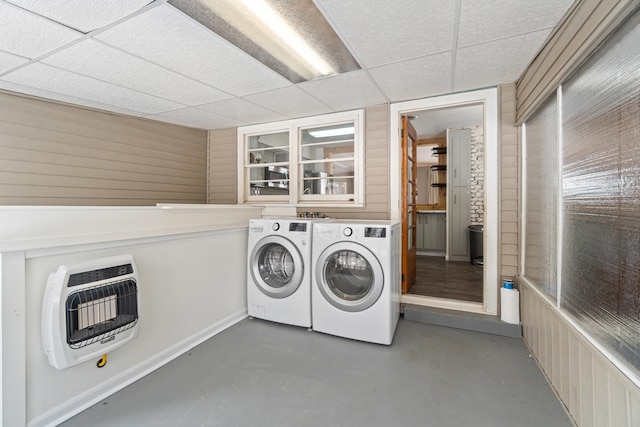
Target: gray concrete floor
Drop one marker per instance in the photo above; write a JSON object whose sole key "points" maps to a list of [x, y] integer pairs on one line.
{"points": [[258, 373]]}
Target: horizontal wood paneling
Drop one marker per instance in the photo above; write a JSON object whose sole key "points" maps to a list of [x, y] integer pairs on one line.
{"points": [[11, 179], [28, 166], [594, 390], [19, 147], [53, 154], [66, 119], [222, 167], [377, 161], [584, 26], [509, 193]]}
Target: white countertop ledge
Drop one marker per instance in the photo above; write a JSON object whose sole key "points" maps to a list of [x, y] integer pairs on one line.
{"points": [[41, 227]]}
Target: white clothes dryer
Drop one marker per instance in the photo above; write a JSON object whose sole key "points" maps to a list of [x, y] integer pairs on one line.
{"points": [[356, 279], [279, 270]]}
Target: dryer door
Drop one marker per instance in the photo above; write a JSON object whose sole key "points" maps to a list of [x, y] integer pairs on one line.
{"points": [[349, 276], [276, 266]]}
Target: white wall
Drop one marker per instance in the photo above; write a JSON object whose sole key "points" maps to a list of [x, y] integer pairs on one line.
{"points": [[424, 187]]}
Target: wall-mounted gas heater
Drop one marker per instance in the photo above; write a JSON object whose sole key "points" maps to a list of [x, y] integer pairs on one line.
{"points": [[89, 309]]}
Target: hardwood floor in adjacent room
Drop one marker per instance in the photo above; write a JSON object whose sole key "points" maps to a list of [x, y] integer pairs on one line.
{"points": [[457, 280]]}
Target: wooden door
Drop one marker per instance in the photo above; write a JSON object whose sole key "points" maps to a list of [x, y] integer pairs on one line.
{"points": [[409, 198]]}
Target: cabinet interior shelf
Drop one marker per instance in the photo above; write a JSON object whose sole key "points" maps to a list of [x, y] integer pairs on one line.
{"points": [[438, 167], [439, 185], [439, 150]]}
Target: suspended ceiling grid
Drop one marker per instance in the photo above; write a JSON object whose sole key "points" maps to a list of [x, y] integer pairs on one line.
{"points": [[147, 59]]}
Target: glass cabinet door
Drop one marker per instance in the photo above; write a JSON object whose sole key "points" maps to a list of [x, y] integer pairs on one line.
{"points": [[327, 161], [267, 163]]}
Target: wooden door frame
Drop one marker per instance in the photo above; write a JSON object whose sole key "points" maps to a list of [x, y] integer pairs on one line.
{"points": [[409, 205], [489, 99]]}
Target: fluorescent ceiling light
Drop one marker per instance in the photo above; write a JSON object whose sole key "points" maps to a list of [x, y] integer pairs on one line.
{"points": [[289, 36], [324, 133]]}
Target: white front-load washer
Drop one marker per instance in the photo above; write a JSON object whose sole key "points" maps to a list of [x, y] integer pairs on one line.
{"points": [[356, 279], [279, 270]]}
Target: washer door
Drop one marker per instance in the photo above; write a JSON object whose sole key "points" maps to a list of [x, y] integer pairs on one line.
{"points": [[276, 266], [349, 276]]}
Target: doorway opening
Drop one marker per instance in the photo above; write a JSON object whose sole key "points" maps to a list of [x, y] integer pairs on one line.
{"points": [[451, 200]]}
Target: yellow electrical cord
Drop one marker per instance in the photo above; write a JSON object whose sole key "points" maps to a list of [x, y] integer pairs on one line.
{"points": [[102, 361]]}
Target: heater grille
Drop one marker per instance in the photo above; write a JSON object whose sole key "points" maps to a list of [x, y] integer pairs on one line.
{"points": [[98, 313]]}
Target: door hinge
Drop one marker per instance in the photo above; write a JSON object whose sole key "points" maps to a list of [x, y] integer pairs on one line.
{"points": [[403, 278], [402, 133]]}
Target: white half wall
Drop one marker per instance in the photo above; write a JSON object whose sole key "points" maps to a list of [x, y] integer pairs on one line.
{"points": [[192, 285]]}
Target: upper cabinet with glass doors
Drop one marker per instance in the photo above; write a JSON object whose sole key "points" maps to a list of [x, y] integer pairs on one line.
{"points": [[315, 160]]}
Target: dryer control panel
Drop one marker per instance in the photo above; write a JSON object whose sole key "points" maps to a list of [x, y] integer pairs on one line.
{"points": [[379, 232]]}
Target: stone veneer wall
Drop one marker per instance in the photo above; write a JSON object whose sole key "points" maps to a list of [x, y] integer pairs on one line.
{"points": [[476, 177]]}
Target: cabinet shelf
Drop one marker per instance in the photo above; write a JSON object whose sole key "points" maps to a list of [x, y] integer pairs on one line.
{"points": [[438, 185], [438, 167], [438, 150]]}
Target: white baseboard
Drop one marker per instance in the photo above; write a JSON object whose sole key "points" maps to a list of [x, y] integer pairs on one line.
{"points": [[91, 397]]}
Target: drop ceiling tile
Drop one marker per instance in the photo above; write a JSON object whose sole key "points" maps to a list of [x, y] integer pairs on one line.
{"points": [[345, 91], [498, 62], [385, 31], [167, 37], [45, 77], [482, 21], [242, 111], [197, 118], [9, 61], [291, 102], [95, 59], [25, 34], [416, 78], [47, 95], [83, 15]]}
